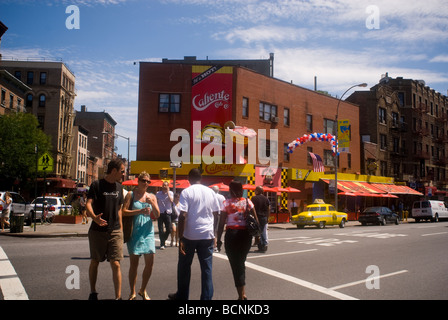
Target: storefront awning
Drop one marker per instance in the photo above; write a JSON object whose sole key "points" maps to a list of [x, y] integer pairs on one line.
{"points": [[373, 189], [396, 189]]}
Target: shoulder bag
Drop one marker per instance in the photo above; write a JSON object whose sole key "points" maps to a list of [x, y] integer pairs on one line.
{"points": [[252, 224], [128, 222]]}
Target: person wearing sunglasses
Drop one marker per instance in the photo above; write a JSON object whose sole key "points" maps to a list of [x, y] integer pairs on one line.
{"points": [[143, 207]]}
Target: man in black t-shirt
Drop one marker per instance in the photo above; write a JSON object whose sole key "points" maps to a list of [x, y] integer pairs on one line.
{"points": [[104, 202], [262, 208]]}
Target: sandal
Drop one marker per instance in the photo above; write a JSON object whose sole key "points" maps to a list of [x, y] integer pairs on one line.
{"points": [[144, 295], [132, 296]]}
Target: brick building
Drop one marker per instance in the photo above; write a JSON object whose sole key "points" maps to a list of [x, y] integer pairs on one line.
{"points": [[170, 95], [51, 101], [101, 140], [407, 120]]}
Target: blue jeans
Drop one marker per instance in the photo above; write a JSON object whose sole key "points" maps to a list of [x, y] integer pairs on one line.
{"points": [[204, 248]]}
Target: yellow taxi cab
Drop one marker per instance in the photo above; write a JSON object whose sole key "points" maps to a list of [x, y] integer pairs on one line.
{"points": [[319, 214]]}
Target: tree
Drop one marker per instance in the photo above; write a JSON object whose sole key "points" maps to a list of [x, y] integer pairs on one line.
{"points": [[19, 134]]}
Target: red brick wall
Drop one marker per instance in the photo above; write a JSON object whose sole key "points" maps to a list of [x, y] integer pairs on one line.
{"points": [[154, 128]]}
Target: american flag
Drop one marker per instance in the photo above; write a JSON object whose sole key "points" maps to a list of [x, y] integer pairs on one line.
{"points": [[318, 165]]}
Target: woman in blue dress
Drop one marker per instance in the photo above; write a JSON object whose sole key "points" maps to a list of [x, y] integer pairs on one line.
{"points": [[144, 208]]}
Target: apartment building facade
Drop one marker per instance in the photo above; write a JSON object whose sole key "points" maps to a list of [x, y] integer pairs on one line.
{"points": [[100, 127], [51, 101], [410, 132], [13, 93]]}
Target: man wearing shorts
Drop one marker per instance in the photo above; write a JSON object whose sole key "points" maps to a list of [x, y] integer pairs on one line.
{"points": [[103, 205]]}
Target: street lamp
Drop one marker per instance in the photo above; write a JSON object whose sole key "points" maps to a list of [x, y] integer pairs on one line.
{"points": [[127, 138], [337, 145], [129, 161]]}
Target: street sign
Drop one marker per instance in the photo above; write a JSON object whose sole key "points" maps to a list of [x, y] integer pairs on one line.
{"points": [[45, 162]]}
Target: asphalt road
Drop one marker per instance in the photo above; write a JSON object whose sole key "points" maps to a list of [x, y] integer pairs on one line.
{"points": [[394, 262]]}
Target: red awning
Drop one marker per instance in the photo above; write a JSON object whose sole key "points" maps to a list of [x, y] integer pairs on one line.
{"points": [[373, 189], [355, 187], [396, 189]]}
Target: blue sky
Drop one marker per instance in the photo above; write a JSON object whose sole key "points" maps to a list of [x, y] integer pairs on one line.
{"points": [[323, 38]]}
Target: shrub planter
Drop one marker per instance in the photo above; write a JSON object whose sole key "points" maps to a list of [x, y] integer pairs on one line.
{"points": [[67, 219]]}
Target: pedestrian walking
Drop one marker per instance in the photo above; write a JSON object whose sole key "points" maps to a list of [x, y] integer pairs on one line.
{"points": [[221, 200], [165, 202], [198, 209], [104, 207], [262, 208], [237, 240], [82, 203], [175, 220], [142, 207], [7, 204]]}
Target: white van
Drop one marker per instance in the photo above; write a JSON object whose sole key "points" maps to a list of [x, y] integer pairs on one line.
{"points": [[429, 210]]}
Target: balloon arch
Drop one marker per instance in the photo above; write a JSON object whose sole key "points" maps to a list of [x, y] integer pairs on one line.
{"points": [[311, 138]]}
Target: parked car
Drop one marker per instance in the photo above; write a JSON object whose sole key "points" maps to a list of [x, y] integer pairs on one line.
{"points": [[319, 214], [19, 205], [56, 205], [429, 210], [378, 215]]}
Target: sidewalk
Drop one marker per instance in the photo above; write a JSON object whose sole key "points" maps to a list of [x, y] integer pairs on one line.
{"points": [[51, 230]]}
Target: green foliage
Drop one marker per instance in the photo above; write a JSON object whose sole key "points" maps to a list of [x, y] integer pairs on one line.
{"points": [[19, 134]]}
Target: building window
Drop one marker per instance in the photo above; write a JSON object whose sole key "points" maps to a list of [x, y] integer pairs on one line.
{"points": [[30, 77], [383, 168], [329, 126], [3, 97], [18, 75], [42, 100], [383, 142], [394, 119], [43, 78], [309, 161], [328, 158], [29, 100], [286, 154], [245, 107], [401, 98], [286, 116], [11, 101], [169, 103], [309, 123], [267, 111], [382, 115]]}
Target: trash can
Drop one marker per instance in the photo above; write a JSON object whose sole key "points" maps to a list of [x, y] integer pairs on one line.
{"points": [[16, 223]]}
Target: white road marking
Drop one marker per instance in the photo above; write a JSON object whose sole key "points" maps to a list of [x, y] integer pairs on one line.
{"points": [[294, 280], [10, 284], [364, 281], [279, 254], [433, 234]]}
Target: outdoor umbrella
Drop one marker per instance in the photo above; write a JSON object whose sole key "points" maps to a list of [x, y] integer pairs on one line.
{"points": [[287, 189], [133, 182], [221, 186]]}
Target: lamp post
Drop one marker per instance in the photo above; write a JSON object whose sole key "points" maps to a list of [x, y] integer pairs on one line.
{"points": [[337, 145], [129, 161]]}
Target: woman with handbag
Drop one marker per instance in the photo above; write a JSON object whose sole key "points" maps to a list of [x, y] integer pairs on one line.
{"points": [[237, 240], [142, 207]]}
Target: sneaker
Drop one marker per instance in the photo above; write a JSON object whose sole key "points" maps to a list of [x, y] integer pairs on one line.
{"points": [[162, 247], [93, 296]]}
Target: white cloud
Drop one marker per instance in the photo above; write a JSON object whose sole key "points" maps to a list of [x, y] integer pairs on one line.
{"points": [[440, 58]]}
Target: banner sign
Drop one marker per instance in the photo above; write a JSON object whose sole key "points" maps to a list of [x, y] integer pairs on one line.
{"points": [[211, 104], [344, 135]]}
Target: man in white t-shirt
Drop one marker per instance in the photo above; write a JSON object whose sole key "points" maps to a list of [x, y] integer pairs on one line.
{"points": [[199, 207]]}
